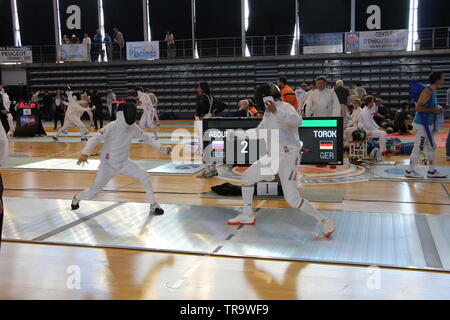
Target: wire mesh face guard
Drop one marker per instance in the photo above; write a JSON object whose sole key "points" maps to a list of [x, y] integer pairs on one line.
{"points": [[129, 112], [266, 90]]}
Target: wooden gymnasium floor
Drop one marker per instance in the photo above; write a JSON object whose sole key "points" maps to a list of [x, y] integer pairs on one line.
{"points": [[34, 271]]}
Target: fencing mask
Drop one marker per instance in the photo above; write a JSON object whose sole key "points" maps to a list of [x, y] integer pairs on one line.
{"points": [[266, 90], [129, 111]]}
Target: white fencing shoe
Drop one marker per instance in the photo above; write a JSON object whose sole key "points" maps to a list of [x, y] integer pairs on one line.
{"points": [[75, 203], [328, 227], [156, 210], [436, 175], [412, 174], [242, 219]]}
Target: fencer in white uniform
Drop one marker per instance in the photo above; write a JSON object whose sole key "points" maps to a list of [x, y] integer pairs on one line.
{"points": [[322, 102], [279, 128], [154, 101], [116, 138], [7, 105], [72, 117], [352, 125], [373, 130], [149, 111]]}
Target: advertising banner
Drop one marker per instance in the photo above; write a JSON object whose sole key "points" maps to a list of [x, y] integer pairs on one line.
{"points": [[381, 40], [72, 52], [15, 55], [143, 50], [323, 43]]}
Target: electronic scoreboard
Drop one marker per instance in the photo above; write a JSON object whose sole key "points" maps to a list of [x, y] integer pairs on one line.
{"points": [[322, 141]]}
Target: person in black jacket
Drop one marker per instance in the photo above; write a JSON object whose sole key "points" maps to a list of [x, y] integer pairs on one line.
{"points": [[96, 101], [342, 94], [207, 106]]}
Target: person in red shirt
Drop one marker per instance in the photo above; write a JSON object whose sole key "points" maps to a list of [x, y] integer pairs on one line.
{"points": [[288, 95]]}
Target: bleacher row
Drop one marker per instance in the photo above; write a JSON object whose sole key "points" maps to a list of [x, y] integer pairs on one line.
{"points": [[174, 82]]}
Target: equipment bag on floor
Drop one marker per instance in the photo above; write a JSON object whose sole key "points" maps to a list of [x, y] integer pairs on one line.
{"points": [[228, 189], [393, 145]]}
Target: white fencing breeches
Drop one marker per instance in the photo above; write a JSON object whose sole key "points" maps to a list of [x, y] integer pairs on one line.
{"points": [[422, 145], [381, 135], [73, 121], [12, 126], [106, 172], [146, 119], [287, 170]]}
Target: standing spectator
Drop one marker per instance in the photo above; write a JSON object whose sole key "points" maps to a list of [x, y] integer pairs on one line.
{"points": [[342, 94], [110, 97], [4, 152], [300, 93], [35, 97], [74, 39], [47, 102], [109, 47], [88, 42], [402, 119], [58, 108], [119, 44], [448, 98], [323, 102], [171, 49], [96, 101], [447, 144], [287, 94], [65, 39], [97, 45], [360, 92]]}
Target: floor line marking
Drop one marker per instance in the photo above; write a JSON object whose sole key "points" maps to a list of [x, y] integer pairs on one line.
{"points": [[77, 222]]}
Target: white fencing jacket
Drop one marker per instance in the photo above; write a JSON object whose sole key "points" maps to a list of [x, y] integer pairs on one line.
{"points": [[117, 137], [366, 120], [323, 103], [286, 121]]}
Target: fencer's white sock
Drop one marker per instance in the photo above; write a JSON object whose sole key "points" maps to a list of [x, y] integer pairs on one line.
{"points": [[149, 191], [307, 208], [247, 196]]}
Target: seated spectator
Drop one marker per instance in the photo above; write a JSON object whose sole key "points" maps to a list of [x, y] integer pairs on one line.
{"points": [[352, 125], [348, 115], [402, 120], [247, 109], [367, 123]]}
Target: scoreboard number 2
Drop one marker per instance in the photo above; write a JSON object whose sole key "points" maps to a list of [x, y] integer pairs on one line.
{"points": [[245, 147]]}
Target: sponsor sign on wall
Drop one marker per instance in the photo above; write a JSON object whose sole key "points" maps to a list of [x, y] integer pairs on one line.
{"points": [[143, 50], [15, 55], [72, 52], [382, 40], [323, 43]]}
